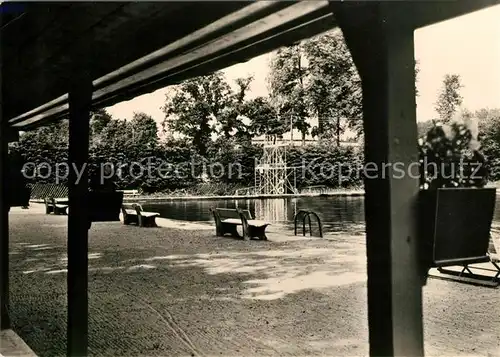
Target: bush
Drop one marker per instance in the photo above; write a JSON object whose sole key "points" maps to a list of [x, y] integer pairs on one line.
{"points": [[450, 157], [316, 165]]}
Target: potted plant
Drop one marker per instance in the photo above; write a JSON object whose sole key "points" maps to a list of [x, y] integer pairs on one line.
{"points": [[18, 190], [104, 201], [455, 207]]}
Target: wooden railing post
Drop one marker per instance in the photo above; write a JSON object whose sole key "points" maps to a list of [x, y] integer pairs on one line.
{"points": [[4, 225]]}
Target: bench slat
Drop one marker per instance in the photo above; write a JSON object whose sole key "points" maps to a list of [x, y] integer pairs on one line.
{"points": [[251, 222], [257, 223], [232, 221], [149, 214]]}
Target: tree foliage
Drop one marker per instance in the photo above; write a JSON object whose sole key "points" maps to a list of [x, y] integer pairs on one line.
{"points": [[263, 118], [449, 99], [144, 130], [489, 135], [206, 105], [317, 78], [287, 88], [334, 91]]}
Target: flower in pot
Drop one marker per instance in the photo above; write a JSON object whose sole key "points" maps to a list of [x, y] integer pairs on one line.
{"points": [[456, 210]]}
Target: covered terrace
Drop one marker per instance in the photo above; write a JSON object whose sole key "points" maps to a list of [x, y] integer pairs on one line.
{"points": [[63, 60]]}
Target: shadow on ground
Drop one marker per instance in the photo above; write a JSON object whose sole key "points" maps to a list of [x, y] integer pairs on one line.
{"points": [[168, 292]]}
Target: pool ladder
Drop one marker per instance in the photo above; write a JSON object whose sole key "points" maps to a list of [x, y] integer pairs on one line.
{"points": [[305, 217]]}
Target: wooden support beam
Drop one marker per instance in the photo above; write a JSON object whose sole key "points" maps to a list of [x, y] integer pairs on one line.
{"points": [[4, 225], [382, 47], [80, 99]]}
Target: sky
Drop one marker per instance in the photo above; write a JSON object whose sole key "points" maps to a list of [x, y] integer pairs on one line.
{"points": [[468, 46]]}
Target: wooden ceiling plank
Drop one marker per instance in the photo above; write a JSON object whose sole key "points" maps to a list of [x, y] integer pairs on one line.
{"points": [[222, 60], [36, 19], [61, 33], [251, 49], [58, 69], [257, 28]]}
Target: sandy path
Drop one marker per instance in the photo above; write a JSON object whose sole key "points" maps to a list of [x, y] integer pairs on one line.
{"points": [[176, 292]]}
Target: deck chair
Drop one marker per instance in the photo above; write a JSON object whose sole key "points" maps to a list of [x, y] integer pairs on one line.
{"points": [[470, 272]]}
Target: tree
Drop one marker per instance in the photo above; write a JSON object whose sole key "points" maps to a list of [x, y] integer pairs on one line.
{"points": [[144, 130], [489, 135], [98, 121], [423, 127], [287, 88], [319, 78], [417, 71], [116, 135], [230, 120], [193, 104], [263, 117], [334, 91], [449, 99]]}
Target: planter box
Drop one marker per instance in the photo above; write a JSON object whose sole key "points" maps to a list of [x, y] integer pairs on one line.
{"points": [[455, 225], [105, 206], [19, 196]]}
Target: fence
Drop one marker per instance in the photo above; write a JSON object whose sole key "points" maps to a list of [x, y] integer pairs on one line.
{"points": [[41, 190]]}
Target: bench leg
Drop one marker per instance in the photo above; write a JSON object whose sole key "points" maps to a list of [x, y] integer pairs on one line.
{"points": [[147, 221], [59, 211], [230, 228], [257, 232], [498, 270], [151, 222], [246, 235], [233, 230]]}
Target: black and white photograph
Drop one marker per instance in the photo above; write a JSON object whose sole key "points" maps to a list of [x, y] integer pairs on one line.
{"points": [[250, 178]]}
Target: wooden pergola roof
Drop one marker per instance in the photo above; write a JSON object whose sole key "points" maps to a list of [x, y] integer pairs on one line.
{"points": [[120, 50], [134, 48]]}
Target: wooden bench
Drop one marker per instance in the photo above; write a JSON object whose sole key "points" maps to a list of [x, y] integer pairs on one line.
{"points": [[130, 192], [134, 214], [56, 206], [227, 221]]}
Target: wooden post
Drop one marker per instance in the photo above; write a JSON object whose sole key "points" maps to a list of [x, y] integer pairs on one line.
{"points": [[381, 43], [4, 225], [80, 99]]}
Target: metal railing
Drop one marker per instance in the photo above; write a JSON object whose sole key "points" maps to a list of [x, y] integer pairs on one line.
{"points": [[305, 217], [247, 191], [42, 190]]}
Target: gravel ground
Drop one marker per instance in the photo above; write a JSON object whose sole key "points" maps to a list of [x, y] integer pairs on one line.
{"points": [[176, 292]]}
